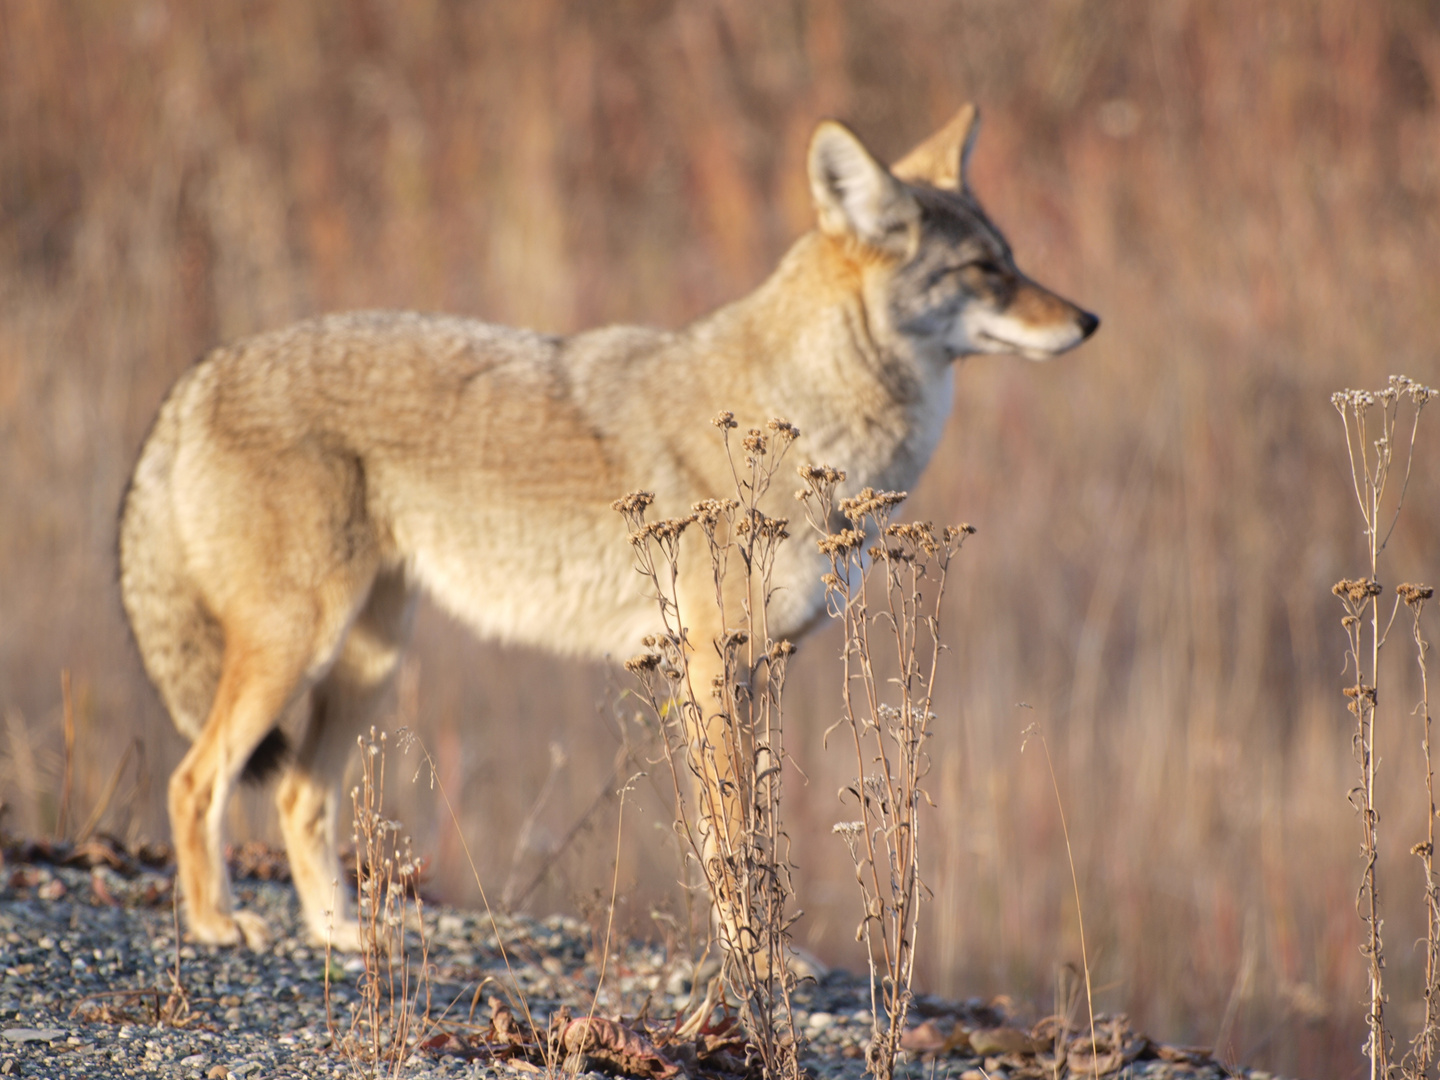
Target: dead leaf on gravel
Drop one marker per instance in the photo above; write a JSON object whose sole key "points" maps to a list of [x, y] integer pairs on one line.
{"points": [[618, 1046], [101, 890], [27, 877], [1184, 1055], [503, 1028], [101, 851], [447, 1042], [930, 1040], [1115, 1046], [924, 1038]]}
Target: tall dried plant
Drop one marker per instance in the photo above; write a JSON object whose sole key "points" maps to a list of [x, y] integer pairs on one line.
{"points": [[890, 617], [1371, 420], [388, 1016], [725, 743], [1426, 1043]]}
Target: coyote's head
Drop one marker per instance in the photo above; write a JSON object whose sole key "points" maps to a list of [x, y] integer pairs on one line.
{"points": [[955, 289]]}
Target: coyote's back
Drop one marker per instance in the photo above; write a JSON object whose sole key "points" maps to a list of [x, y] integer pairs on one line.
{"points": [[301, 487]]}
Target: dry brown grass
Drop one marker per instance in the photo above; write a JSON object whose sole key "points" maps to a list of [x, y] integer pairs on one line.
{"points": [[1246, 190]]}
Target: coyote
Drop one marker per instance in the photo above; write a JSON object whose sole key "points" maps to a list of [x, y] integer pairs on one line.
{"points": [[300, 487]]}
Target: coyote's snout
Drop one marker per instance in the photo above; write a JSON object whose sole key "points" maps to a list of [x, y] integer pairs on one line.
{"points": [[300, 487]]}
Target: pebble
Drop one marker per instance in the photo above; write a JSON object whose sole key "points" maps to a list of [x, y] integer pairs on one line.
{"points": [[26, 1035]]}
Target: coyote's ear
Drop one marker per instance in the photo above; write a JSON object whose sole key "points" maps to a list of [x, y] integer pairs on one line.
{"points": [[854, 194], [943, 159]]}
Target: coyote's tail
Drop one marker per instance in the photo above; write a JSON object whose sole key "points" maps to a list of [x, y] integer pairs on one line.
{"points": [[181, 643]]}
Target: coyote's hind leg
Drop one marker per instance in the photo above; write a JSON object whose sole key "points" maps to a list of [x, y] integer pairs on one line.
{"points": [[257, 681], [309, 794]]}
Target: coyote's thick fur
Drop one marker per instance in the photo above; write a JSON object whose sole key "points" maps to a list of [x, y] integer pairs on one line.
{"points": [[300, 487]]}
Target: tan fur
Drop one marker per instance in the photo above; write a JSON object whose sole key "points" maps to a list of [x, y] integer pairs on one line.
{"points": [[301, 486]]}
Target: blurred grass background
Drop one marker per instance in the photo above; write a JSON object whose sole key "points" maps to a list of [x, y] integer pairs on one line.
{"points": [[1245, 190]]}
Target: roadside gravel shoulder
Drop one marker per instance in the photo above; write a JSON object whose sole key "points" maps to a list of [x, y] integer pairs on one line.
{"points": [[88, 957]]}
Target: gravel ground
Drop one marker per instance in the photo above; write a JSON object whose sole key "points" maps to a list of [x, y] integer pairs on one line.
{"points": [[88, 956]]}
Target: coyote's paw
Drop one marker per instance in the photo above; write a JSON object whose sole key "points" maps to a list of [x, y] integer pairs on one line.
{"points": [[255, 930], [238, 928], [341, 937]]}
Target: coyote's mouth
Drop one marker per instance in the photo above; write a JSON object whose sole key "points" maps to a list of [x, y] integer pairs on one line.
{"points": [[1029, 352]]}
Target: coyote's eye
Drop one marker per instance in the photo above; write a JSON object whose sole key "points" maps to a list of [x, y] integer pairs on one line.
{"points": [[988, 267]]}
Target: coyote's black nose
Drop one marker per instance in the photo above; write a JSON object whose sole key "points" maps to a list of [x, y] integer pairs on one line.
{"points": [[1088, 323]]}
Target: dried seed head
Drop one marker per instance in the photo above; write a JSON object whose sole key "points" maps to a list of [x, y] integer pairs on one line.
{"points": [[850, 830], [637, 502], [785, 431], [1357, 401], [725, 420], [708, 512], [772, 529], [871, 503], [873, 786], [1414, 595], [820, 474], [1356, 592], [666, 531], [841, 543], [754, 442], [921, 534], [643, 663]]}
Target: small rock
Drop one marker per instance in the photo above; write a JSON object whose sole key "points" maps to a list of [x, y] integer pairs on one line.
{"points": [[1001, 1040], [819, 1021], [29, 1035], [218, 1072]]}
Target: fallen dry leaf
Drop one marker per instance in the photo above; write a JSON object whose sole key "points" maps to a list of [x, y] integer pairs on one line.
{"points": [[616, 1045], [926, 1038], [101, 890]]}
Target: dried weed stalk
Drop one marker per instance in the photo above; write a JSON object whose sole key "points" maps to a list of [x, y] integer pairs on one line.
{"points": [[892, 620], [1424, 1046], [725, 742], [1371, 419], [392, 1010]]}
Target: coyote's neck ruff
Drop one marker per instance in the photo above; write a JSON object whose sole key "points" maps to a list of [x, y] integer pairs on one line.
{"points": [[300, 487]]}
